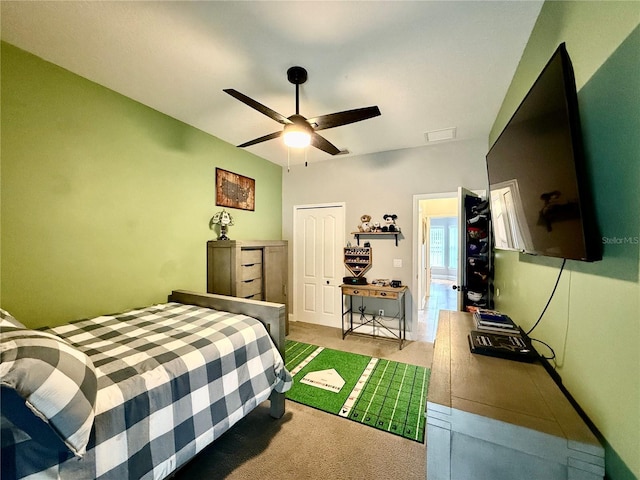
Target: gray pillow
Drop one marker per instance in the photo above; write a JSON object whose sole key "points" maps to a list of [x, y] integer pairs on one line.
{"points": [[55, 380]]}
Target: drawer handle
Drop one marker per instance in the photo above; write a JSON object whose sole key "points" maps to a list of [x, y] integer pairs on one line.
{"points": [[249, 281], [248, 265], [383, 294], [355, 292]]}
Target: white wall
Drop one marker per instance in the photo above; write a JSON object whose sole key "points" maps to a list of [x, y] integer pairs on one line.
{"points": [[383, 183]]}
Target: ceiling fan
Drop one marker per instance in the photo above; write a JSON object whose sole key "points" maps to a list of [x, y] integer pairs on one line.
{"points": [[300, 131]]}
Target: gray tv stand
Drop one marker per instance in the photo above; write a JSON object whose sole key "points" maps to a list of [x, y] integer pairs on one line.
{"points": [[496, 419]]}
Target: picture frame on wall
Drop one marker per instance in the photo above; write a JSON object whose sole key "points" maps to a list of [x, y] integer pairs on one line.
{"points": [[234, 190]]}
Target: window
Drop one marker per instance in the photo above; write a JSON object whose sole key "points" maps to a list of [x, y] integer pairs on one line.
{"points": [[443, 248], [436, 242], [453, 246]]}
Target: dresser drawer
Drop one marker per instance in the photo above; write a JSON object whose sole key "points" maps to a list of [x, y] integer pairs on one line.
{"points": [[257, 296], [250, 272], [249, 288], [383, 294], [250, 256], [355, 291]]}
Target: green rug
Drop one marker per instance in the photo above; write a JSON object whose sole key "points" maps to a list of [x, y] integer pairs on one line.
{"points": [[383, 394]]}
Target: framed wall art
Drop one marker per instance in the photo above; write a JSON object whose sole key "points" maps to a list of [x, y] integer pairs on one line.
{"points": [[235, 191]]}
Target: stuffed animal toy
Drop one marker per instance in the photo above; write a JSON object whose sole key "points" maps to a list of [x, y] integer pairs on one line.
{"points": [[365, 225], [376, 227], [390, 223]]}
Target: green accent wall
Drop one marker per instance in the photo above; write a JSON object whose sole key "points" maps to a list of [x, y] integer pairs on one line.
{"points": [[106, 202], [593, 322]]}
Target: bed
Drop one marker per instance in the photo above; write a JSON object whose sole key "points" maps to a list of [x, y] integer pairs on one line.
{"points": [[136, 395]]}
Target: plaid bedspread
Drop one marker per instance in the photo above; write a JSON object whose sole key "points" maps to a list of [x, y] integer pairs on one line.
{"points": [[172, 378]]}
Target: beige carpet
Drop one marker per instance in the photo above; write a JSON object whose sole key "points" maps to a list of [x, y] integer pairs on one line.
{"points": [[310, 444]]}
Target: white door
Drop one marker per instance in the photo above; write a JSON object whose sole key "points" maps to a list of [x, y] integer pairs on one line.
{"points": [[318, 266]]}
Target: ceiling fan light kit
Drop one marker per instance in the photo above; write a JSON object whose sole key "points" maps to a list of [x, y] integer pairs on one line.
{"points": [[299, 131], [297, 134], [295, 138]]}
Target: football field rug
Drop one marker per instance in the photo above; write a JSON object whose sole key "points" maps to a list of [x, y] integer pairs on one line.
{"points": [[383, 394]]}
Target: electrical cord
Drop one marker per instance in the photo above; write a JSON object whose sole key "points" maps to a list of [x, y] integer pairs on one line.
{"points": [[553, 353], [564, 261]]}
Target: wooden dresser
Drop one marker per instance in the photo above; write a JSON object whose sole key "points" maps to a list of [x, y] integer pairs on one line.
{"points": [[255, 269], [495, 419]]}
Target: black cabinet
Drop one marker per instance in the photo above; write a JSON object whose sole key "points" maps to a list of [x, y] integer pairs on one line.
{"points": [[478, 272]]}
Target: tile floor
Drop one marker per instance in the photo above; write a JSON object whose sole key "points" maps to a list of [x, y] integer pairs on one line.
{"points": [[442, 297]]}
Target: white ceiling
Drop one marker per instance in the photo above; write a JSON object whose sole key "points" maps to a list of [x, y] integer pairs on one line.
{"points": [[428, 65]]}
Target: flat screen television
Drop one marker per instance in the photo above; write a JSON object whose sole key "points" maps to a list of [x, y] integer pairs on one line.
{"points": [[540, 201]]}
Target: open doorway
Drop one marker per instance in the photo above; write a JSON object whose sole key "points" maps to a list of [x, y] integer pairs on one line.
{"points": [[437, 259], [441, 251]]}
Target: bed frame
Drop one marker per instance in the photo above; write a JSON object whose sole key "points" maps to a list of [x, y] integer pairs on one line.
{"points": [[271, 314]]}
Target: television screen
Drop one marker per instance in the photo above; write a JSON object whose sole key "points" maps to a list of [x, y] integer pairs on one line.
{"points": [[538, 190]]}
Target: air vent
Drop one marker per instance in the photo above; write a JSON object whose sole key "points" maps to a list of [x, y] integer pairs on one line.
{"points": [[440, 135]]}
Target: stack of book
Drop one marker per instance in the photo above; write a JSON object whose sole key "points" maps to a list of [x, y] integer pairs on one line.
{"points": [[494, 321]]}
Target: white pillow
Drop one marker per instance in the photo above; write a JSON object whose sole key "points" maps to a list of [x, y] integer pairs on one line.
{"points": [[7, 320], [56, 381]]}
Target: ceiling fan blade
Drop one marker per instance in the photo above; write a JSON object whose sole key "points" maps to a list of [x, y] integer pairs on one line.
{"points": [[343, 118], [271, 136], [257, 106], [324, 144]]}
